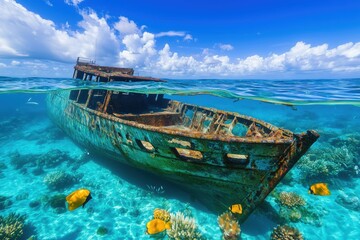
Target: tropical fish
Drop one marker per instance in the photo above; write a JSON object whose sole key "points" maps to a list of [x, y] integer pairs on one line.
{"points": [[156, 226], [236, 208], [319, 189], [78, 198]]}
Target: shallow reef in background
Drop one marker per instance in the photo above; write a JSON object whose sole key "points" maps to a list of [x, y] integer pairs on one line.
{"points": [[39, 166]]}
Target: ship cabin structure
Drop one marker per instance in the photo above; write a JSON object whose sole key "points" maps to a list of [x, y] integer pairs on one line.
{"points": [[113, 102]]}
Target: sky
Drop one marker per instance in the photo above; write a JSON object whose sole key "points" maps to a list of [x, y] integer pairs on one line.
{"points": [[273, 39]]}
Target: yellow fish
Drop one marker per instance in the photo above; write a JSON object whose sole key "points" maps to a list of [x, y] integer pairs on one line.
{"points": [[156, 226], [236, 208], [78, 198], [319, 189]]}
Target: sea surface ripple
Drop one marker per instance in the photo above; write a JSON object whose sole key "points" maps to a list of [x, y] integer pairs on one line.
{"points": [[292, 92]]}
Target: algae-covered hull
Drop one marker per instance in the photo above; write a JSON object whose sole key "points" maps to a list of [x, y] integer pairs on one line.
{"points": [[218, 178], [222, 157]]}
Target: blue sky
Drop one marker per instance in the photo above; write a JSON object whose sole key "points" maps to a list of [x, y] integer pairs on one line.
{"points": [[183, 39]]}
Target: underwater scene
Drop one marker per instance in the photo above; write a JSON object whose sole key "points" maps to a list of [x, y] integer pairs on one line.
{"points": [[46, 178]]}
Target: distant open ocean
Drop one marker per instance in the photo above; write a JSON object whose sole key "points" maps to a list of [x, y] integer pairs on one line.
{"points": [[32, 149]]}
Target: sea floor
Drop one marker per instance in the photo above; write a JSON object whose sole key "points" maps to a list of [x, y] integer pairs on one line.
{"points": [[34, 152]]}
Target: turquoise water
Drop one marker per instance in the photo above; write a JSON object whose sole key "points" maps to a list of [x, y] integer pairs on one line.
{"points": [[33, 149]]}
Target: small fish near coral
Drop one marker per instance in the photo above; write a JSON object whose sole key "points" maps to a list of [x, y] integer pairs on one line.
{"points": [[78, 198], [236, 208], [320, 189], [156, 226]]}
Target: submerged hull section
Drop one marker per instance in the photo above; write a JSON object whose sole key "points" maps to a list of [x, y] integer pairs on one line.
{"points": [[215, 180]]}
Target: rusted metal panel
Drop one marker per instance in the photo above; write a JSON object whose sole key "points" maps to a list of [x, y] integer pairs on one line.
{"points": [[114, 73]]}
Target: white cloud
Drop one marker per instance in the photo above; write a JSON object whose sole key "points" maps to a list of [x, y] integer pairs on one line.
{"points": [[26, 35], [15, 63], [170, 34], [73, 2], [48, 3], [2, 65], [138, 50], [126, 26], [171, 62], [225, 47], [188, 37], [299, 59]]}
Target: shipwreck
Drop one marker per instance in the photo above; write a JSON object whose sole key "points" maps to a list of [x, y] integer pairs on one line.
{"points": [[222, 157]]}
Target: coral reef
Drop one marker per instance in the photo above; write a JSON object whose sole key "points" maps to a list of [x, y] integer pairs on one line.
{"points": [[5, 202], [229, 226], [291, 199], [34, 204], [19, 161], [295, 216], [12, 226], [102, 231], [59, 180], [286, 232], [336, 160], [293, 208], [183, 227], [2, 167], [22, 196], [161, 214], [349, 201], [57, 202], [306, 214], [46, 135], [51, 159]]}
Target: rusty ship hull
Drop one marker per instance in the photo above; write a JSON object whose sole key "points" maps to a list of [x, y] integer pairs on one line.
{"points": [[222, 157]]}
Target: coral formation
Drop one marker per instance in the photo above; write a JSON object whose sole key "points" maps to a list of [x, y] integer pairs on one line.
{"points": [[161, 214], [295, 216], [229, 226], [5, 202], [335, 160], [59, 180], [286, 232], [2, 167], [291, 199], [20, 161], [34, 204], [183, 227], [57, 202], [22, 196], [293, 208], [51, 159], [349, 201], [12, 226], [102, 231]]}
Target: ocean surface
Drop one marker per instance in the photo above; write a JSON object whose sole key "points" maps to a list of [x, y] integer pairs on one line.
{"points": [[40, 165]]}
